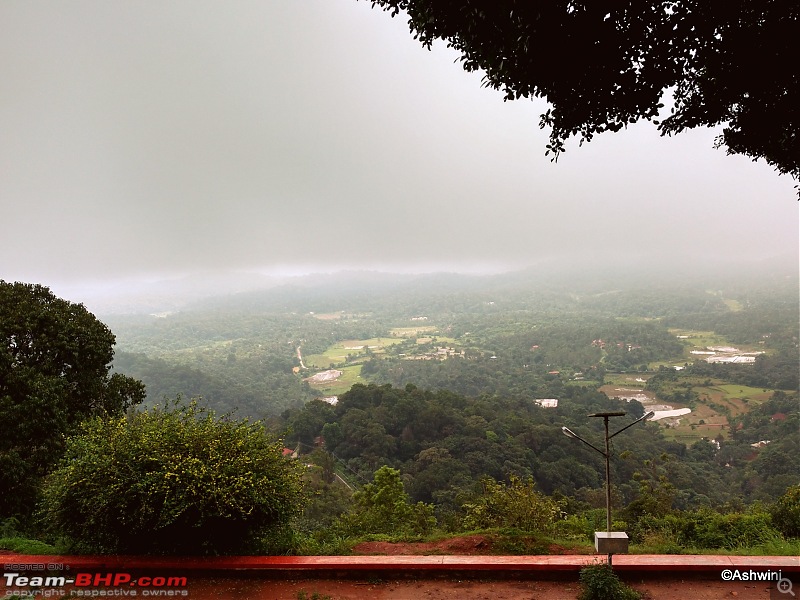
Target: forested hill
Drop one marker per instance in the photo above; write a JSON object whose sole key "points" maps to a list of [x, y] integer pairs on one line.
{"points": [[439, 377], [444, 442], [242, 351]]}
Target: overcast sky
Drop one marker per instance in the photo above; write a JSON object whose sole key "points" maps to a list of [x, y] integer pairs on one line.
{"points": [[149, 139]]}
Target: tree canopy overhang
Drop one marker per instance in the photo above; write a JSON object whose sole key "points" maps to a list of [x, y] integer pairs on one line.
{"points": [[604, 65]]}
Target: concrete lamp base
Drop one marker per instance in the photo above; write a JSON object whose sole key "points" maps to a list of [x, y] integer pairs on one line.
{"points": [[611, 542]]}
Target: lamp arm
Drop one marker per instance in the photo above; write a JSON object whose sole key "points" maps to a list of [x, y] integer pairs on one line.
{"points": [[642, 418], [590, 445]]}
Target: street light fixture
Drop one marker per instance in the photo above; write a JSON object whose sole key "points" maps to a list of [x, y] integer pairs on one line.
{"points": [[607, 454]]}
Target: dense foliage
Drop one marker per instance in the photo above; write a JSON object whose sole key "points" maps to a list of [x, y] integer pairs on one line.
{"points": [[444, 443], [440, 425], [55, 359], [786, 512], [515, 505], [383, 507], [172, 480], [604, 65], [442, 434]]}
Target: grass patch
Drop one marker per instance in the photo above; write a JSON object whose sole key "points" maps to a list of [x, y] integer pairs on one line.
{"points": [[628, 380], [701, 340], [26, 546], [733, 305], [318, 361], [584, 383], [338, 353], [350, 376], [440, 340], [744, 391], [412, 332]]}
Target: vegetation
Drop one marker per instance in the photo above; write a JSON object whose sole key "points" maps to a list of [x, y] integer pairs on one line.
{"points": [[22, 545], [609, 65], [441, 434], [516, 505], [172, 480], [383, 507], [601, 583], [786, 512], [55, 359]]}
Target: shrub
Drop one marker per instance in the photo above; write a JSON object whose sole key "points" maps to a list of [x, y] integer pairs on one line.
{"points": [[601, 583], [574, 527], [731, 531], [786, 512], [171, 480], [705, 529], [515, 505]]}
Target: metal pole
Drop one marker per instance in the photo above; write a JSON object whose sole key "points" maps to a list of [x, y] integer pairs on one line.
{"points": [[608, 481], [608, 485], [607, 455]]}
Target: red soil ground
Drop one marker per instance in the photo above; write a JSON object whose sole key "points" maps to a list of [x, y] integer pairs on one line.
{"points": [[470, 545]]}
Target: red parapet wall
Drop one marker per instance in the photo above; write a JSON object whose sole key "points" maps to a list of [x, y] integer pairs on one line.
{"points": [[405, 564]]}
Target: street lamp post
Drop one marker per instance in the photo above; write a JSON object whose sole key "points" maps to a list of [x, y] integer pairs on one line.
{"points": [[606, 454]]}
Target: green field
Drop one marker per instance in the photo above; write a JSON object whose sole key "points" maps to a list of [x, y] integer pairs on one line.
{"points": [[350, 375], [412, 332], [700, 340], [716, 402], [340, 353], [337, 353], [733, 305], [743, 391], [437, 339], [627, 379]]}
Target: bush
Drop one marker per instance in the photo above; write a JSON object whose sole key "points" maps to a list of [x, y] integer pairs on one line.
{"points": [[515, 505], [172, 480], [729, 531], [786, 512], [574, 527], [601, 583], [705, 529]]}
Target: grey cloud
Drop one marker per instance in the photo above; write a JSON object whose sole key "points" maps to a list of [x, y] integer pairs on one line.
{"points": [[146, 138]]}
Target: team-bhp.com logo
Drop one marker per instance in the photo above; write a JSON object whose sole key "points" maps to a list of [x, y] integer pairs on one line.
{"points": [[94, 584]]}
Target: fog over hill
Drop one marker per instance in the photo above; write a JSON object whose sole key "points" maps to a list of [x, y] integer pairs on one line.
{"points": [[341, 290], [154, 154]]}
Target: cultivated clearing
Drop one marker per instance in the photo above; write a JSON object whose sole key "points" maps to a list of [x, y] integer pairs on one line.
{"points": [[350, 376], [716, 403], [340, 352]]}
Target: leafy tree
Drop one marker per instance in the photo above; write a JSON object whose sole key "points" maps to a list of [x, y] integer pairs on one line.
{"points": [[383, 507], [54, 372], [602, 65], [176, 479], [656, 493]]}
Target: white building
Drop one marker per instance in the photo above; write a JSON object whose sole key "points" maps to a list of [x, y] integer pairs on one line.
{"points": [[547, 402]]}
